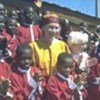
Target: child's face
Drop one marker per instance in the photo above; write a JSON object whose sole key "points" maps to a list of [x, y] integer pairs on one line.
{"points": [[67, 69], [11, 26], [25, 59]]}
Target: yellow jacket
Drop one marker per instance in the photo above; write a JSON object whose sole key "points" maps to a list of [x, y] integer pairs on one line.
{"points": [[46, 54]]}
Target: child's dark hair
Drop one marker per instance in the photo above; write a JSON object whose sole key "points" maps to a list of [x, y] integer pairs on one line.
{"points": [[22, 47], [64, 58]]}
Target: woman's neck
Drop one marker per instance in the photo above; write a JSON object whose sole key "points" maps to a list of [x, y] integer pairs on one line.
{"points": [[47, 39]]}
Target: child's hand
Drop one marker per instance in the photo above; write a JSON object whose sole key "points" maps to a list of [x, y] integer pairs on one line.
{"points": [[92, 62], [77, 80], [38, 76], [4, 85], [80, 78]]}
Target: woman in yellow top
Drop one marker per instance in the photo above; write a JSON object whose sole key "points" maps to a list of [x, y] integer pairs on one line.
{"points": [[47, 48]]}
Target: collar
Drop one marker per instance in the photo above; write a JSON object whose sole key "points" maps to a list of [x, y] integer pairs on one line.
{"points": [[61, 76], [54, 40], [71, 84], [23, 70]]}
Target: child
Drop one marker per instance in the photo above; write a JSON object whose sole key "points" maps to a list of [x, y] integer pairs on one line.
{"points": [[10, 33], [25, 79], [60, 86], [29, 29]]}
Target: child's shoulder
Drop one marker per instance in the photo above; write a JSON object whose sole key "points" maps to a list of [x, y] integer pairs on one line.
{"points": [[34, 69], [5, 67], [4, 63], [53, 78]]}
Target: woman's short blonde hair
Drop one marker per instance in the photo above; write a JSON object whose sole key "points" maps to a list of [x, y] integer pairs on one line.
{"points": [[76, 37]]}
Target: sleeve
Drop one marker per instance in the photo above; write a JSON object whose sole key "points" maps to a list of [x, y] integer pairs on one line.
{"points": [[15, 87], [92, 74], [20, 37], [42, 83], [1, 73], [53, 92], [84, 94], [5, 70], [37, 31]]}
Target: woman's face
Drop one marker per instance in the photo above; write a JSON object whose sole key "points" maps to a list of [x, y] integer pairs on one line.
{"points": [[51, 29], [76, 48]]}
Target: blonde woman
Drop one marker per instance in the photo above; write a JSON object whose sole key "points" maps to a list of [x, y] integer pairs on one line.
{"points": [[76, 41]]}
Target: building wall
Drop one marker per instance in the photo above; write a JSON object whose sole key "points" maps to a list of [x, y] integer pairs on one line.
{"points": [[98, 9]]}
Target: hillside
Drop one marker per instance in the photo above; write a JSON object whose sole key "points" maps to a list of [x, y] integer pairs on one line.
{"points": [[74, 17]]}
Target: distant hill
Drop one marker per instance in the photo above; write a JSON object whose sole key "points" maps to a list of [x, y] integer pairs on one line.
{"points": [[74, 17]]}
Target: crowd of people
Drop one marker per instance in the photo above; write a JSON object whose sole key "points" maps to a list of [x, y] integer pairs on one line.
{"points": [[43, 58]]}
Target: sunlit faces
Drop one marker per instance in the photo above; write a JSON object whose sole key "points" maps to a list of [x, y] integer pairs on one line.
{"points": [[29, 15], [67, 68], [11, 26], [25, 58], [51, 29], [76, 41], [76, 48]]}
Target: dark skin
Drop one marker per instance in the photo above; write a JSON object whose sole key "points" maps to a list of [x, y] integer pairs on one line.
{"points": [[4, 85], [30, 15], [2, 23], [66, 65], [65, 69], [24, 59], [13, 14], [11, 26], [81, 77]]}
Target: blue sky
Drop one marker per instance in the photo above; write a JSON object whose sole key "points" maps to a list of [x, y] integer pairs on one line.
{"points": [[84, 6]]}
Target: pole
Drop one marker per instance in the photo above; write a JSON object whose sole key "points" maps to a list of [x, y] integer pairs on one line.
{"points": [[96, 8]]}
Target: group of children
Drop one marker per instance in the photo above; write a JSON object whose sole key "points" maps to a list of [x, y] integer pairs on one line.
{"points": [[36, 64], [26, 82]]}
